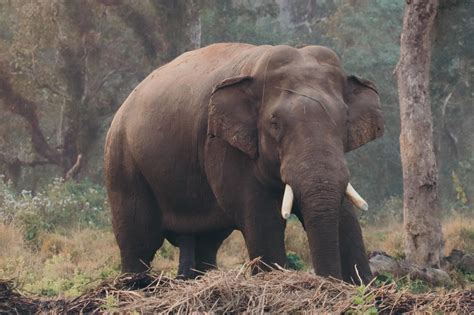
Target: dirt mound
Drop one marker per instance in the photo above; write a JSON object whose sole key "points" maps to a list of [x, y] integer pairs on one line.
{"points": [[236, 291]]}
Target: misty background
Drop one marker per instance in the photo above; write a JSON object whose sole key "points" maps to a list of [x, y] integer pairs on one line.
{"points": [[67, 65]]}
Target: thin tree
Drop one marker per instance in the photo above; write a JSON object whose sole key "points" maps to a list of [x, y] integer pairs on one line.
{"points": [[421, 206]]}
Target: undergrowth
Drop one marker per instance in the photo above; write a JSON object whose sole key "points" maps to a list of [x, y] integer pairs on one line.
{"points": [[60, 207], [59, 241]]}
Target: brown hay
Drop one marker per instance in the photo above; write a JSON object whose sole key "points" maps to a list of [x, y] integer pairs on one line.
{"points": [[236, 291]]}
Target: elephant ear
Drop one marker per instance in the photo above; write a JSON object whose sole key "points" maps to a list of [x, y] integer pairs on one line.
{"points": [[232, 114], [365, 114]]}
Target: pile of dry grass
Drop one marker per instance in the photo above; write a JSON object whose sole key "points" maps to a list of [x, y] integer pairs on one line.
{"points": [[236, 291]]}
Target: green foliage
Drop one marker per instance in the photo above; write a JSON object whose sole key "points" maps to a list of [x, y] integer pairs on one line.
{"points": [[294, 261], [467, 276], [462, 277], [404, 283], [61, 277], [363, 302], [384, 279], [415, 286], [167, 250], [60, 207]]}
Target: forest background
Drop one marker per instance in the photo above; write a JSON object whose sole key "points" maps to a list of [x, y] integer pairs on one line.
{"points": [[67, 65]]}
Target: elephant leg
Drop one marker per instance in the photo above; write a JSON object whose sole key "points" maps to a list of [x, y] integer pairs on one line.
{"points": [[207, 246], [264, 234], [187, 256], [352, 247], [136, 220]]}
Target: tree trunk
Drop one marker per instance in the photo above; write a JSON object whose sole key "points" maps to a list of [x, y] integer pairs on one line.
{"points": [[421, 207]]}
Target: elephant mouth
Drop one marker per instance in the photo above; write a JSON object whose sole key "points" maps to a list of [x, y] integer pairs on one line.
{"points": [[351, 194]]}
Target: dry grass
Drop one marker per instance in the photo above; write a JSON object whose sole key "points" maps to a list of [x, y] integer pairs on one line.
{"points": [[278, 291], [297, 241], [14, 255], [11, 244], [63, 264], [233, 252], [388, 238], [458, 233], [11, 241], [68, 265], [87, 248]]}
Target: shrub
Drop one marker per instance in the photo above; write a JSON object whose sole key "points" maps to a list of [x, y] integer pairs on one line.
{"points": [[60, 276], [64, 265], [61, 206], [294, 261]]}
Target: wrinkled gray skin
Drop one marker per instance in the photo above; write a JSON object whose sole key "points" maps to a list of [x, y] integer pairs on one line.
{"points": [[206, 143]]}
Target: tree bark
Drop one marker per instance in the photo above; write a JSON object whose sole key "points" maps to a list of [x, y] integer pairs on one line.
{"points": [[421, 206]]}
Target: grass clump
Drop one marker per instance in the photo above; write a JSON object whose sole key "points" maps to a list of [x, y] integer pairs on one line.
{"points": [[56, 241], [60, 207], [363, 302], [458, 233], [64, 265]]}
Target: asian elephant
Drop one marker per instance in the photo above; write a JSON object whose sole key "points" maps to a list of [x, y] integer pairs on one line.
{"points": [[226, 136]]}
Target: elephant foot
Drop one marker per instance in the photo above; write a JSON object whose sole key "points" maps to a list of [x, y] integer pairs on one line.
{"points": [[188, 275]]}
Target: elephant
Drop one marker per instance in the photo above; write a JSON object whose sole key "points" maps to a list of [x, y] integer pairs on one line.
{"points": [[234, 136]]}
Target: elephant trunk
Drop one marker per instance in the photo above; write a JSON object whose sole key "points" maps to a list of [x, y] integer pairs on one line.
{"points": [[321, 213], [319, 187]]}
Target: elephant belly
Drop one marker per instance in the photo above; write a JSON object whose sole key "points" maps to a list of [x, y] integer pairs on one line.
{"points": [[197, 221], [187, 204]]}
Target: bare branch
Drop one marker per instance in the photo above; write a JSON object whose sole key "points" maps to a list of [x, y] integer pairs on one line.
{"points": [[453, 139], [27, 109], [104, 80], [85, 59], [75, 169]]}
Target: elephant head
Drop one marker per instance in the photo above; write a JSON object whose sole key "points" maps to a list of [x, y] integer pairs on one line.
{"points": [[294, 115]]}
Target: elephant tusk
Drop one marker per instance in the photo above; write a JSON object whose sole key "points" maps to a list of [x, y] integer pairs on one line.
{"points": [[287, 203], [356, 199]]}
